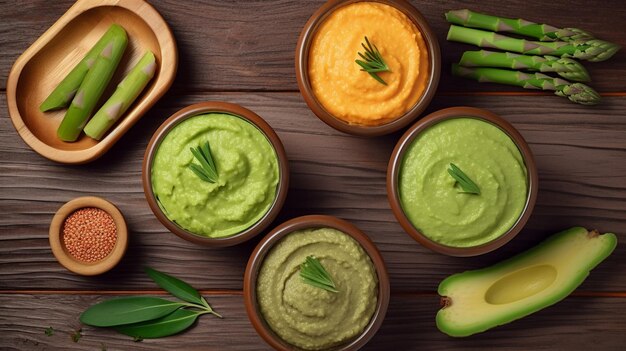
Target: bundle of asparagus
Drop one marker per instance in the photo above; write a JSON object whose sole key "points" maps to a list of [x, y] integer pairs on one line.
{"points": [[553, 50], [85, 84]]}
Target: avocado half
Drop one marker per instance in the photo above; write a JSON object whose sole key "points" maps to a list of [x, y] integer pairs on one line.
{"points": [[475, 301]]}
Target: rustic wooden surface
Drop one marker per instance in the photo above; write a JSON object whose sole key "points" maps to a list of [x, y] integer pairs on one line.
{"points": [[242, 52]]}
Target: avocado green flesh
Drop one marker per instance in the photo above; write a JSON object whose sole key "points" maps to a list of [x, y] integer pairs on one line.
{"points": [[542, 276]]}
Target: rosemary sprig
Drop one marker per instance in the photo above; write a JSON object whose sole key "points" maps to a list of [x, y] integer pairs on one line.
{"points": [[463, 180], [207, 170], [372, 62], [313, 273]]}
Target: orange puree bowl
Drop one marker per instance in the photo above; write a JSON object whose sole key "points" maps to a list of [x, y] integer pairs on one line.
{"points": [[389, 125]]}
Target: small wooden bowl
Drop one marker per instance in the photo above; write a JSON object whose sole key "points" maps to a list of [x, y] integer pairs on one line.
{"points": [[304, 84], [232, 109], [393, 172], [60, 251], [45, 63], [304, 222]]}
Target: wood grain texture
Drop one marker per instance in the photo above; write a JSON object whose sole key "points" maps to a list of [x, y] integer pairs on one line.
{"points": [[577, 324], [242, 51], [580, 154], [246, 45]]}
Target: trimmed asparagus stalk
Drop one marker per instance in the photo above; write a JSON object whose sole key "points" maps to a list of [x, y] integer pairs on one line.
{"points": [[542, 32], [92, 87], [576, 92], [65, 91], [591, 50], [125, 94], [565, 67]]}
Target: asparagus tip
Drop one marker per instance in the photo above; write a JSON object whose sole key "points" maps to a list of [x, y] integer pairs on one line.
{"points": [[579, 93]]}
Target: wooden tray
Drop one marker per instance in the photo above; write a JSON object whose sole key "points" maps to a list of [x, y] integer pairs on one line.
{"points": [[45, 63]]}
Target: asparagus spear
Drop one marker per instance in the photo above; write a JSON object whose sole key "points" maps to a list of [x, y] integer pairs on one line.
{"points": [[576, 92], [65, 91], [542, 32], [592, 50], [126, 92], [565, 67], [92, 87]]}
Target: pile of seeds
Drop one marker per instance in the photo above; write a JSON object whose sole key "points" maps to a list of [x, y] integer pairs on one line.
{"points": [[89, 234]]}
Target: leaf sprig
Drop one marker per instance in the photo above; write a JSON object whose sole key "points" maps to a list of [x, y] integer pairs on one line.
{"points": [[373, 61], [313, 273], [207, 170], [463, 180], [146, 317]]}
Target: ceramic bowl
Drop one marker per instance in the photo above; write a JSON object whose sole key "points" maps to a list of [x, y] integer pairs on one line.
{"points": [[232, 109], [45, 63], [302, 72], [393, 171], [60, 251], [305, 222]]}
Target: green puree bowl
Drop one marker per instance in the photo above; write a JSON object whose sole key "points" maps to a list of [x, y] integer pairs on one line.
{"points": [[232, 109], [307, 222], [397, 156]]}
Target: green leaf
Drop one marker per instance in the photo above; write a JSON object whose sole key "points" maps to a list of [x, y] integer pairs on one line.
{"points": [[49, 331], [373, 61], [207, 171], [76, 335], [170, 324], [463, 180], [314, 274], [126, 310], [175, 286]]}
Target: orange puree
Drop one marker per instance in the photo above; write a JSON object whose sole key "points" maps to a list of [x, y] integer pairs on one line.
{"points": [[352, 95]]}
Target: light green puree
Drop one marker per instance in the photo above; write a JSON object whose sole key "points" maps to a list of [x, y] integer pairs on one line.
{"points": [[247, 168], [309, 317], [436, 205]]}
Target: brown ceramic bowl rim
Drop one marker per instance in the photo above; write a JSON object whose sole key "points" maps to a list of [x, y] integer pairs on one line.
{"points": [[304, 222], [231, 109], [393, 171], [302, 72], [60, 251]]}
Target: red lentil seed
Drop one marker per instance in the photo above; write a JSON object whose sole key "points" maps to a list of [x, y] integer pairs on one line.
{"points": [[89, 234]]}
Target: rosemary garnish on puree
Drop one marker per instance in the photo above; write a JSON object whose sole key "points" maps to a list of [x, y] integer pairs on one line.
{"points": [[207, 170], [314, 274], [463, 180], [373, 61]]}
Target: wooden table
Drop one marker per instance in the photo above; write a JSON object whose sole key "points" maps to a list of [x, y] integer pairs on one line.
{"points": [[242, 52]]}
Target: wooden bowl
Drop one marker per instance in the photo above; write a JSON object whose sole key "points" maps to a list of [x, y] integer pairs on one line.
{"points": [[60, 251], [232, 109], [305, 222], [304, 84], [395, 162], [45, 63]]}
